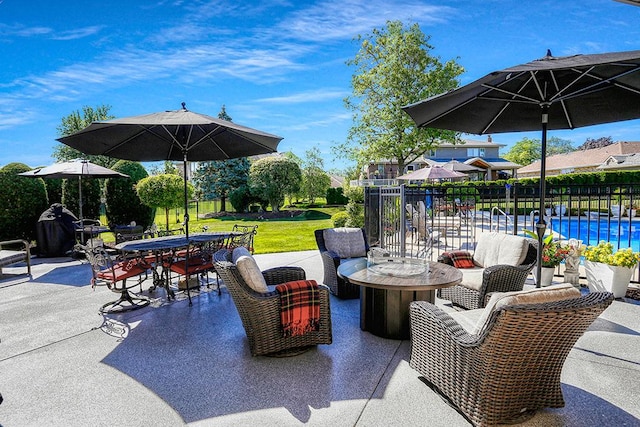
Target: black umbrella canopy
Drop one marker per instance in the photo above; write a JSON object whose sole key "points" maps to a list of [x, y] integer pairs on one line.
{"points": [[548, 93], [172, 135], [579, 90]]}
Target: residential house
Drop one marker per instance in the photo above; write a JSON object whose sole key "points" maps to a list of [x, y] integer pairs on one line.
{"points": [[481, 154], [621, 155]]}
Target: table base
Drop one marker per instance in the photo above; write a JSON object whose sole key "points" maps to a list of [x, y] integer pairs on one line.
{"points": [[385, 312]]}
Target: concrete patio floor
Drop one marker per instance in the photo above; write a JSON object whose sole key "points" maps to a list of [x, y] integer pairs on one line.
{"points": [[63, 364]]}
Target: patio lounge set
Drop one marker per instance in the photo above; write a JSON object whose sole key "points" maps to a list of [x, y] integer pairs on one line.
{"points": [[483, 355]]}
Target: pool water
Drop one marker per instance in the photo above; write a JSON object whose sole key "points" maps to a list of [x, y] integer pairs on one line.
{"points": [[623, 233]]}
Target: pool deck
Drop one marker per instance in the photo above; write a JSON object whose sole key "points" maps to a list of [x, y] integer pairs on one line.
{"points": [[63, 364]]}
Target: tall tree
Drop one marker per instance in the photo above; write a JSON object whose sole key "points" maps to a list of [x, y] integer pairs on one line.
{"points": [[527, 151], [394, 67], [75, 122], [271, 178], [217, 179], [315, 180], [163, 191], [596, 143]]}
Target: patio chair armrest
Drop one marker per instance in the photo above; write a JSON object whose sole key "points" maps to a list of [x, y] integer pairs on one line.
{"points": [[21, 243], [278, 275], [427, 317]]}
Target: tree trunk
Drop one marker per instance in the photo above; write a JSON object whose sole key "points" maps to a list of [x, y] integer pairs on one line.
{"points": [[223, 203], [166, 218]]}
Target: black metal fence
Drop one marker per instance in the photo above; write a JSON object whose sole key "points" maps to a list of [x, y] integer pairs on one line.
{"points": [[408, 220]]}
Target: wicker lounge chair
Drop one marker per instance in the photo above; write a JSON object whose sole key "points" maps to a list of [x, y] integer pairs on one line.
{"points": [[511, 367], [503, 263], [260, 312], [336, 245]]}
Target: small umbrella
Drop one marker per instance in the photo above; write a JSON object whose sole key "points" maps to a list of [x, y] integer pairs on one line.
{"points": [[431, 173], [74, 169], [172, 135], [548, 93], [454, 165]]}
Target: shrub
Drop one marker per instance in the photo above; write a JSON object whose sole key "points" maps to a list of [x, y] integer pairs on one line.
{"points": [[91, 195], [240, 198], [340, 219], [22, 200], [123, 203], [335, 196]]}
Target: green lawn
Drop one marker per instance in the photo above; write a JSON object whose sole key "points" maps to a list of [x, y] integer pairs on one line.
{"points": [[274, 235]]}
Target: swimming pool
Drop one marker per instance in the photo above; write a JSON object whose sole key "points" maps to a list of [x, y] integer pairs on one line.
{"points": [[623, 233]]}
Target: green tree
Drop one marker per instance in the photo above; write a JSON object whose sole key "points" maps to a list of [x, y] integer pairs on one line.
{"points": [[167, 167], [219, 178], [271, 178], [163, 191], [527, 151], [123, 203], [75, 122], [315, 181], [22, 200], [394, 68]]}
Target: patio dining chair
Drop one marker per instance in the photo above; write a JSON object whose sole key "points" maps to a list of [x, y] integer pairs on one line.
{"points": [[114, 272]]}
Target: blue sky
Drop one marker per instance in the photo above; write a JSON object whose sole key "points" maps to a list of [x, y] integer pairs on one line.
{"points": [[277, 66]]}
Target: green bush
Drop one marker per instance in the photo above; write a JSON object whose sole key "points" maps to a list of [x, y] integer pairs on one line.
{"points": [[91, 194], [22, 200], [240, 198], [340, 219], [123, 203], [335, 196]]}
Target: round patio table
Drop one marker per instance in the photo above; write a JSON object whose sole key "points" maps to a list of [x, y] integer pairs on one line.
{"points": [[386, 291]]}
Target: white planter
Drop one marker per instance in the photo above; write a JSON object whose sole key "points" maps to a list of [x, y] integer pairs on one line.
{"points": [[610, 278], [631, 213], [546, 276], [548, 211], [561, 210], [617, 210]]}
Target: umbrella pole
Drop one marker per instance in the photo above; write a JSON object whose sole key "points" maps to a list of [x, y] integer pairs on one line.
{"points": [[186, 198], [541, 225], [80, 209]]}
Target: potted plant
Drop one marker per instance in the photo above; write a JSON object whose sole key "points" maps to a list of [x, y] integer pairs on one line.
{"points": [[631, 209], [553, 253], [608, 270]]}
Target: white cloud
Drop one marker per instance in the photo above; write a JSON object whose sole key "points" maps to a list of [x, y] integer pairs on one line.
{"points": [[308, 96], [77, 33]]}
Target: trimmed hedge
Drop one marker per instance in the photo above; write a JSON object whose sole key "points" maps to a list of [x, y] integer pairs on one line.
{"points": [[22, 200]]}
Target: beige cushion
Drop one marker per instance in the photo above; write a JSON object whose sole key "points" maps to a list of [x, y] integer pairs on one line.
{"points": [[468, 319], [499, 248], [552, 293], [345, 242], [472, 278], [238, 252], [251, 274]]}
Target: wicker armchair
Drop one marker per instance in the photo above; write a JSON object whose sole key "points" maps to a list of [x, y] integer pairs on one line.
{"points": [[260, 312], [335, 245], [512, 366], [496, 272]]}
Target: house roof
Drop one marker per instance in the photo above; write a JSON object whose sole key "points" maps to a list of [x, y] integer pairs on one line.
{"points": [[473, 144], [623, 161], [583, 158]]}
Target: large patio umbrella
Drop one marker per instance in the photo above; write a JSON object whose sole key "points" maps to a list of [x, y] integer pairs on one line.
{"points": [[172, 135], [548, 93], [74, 169], [431, 173]]}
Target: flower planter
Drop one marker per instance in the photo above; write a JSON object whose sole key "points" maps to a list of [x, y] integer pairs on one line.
{"points": [[631, 213], [617, 210], [610, 278], [546, 276], [561, 210]]}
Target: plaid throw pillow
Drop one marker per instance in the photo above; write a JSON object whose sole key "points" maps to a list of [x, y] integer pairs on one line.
{"points": [[461, 259]]}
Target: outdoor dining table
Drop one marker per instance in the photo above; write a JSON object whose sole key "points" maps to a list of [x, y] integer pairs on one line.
{"points": [[160, 245]]}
